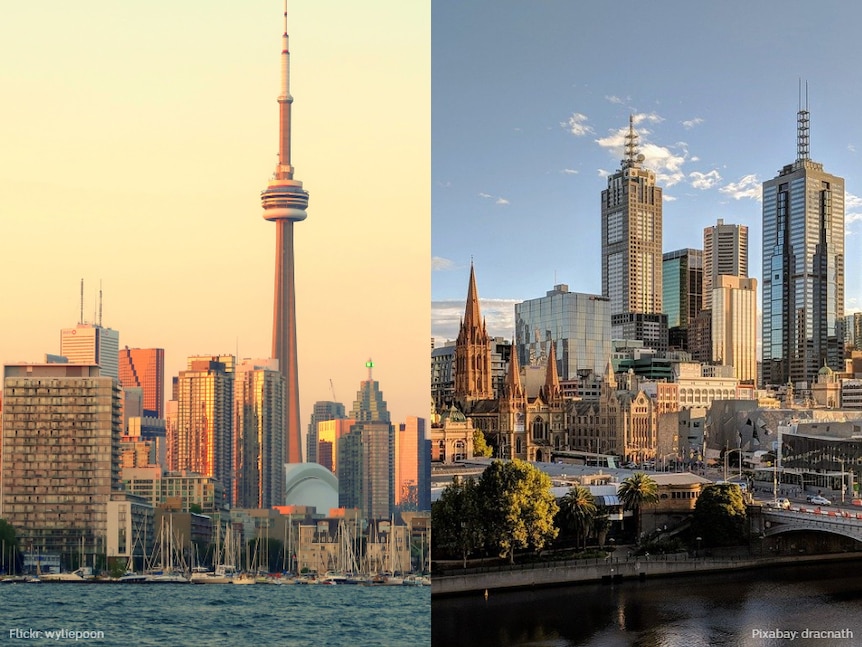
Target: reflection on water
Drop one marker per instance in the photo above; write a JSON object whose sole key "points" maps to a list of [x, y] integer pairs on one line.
{"points": [[755, 608]]}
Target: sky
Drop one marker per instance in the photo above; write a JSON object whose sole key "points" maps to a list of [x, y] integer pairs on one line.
{"points": [[136, 139], [530, 101]]}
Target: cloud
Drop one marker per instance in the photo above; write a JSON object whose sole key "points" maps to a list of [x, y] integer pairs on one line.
{"points": [[440, 264], [485, 195], [667, 198], [499, 315], [665, 161], [497, 199], [604, 173], [613, 99], [852, 208], [704, 181], [576, 126], [747, 187], [501, 201], [688, 124], [569, 171], [851, 148]]}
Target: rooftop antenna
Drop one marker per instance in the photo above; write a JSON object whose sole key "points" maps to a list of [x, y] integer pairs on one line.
{"points": [[632, 158], [100, 303], [81, 317], [802, 127], [369, 365]]}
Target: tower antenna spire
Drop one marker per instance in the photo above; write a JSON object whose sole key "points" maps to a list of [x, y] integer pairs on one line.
{"points": [[632, 159], [802, 126], [81, 317], [100, 302]]}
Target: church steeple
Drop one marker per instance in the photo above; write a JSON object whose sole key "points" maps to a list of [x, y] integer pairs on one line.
{"points": [[514, 389], [472, 353], [551, 390], [610, 378]]}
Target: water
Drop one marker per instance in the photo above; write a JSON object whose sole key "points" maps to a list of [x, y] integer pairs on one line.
{"points": [[728, 610], [167, 615]]}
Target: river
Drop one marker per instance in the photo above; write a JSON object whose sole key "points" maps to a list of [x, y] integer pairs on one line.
{"points": [[759, 608]]}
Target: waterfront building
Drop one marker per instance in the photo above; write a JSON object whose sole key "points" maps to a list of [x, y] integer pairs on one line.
{"points": [[323, 410], [202, 441], [803, 268], [258, 452], [89, 343], [144, 368], [632, 241], [177, 490], [734, 326], [131, 532], [61, 427], [577, 324], [682, 287], [409, 450], [725, 253], [366, 455], [284, 202]]}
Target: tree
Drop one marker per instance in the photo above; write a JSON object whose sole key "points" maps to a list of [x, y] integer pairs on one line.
{"points": [[518, 505], [720, 515], [578, 511], [456, 519], [480, 447], [9, 543], [635, 491]]}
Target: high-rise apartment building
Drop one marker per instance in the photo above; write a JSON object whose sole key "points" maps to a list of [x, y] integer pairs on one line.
{"points": [[409, 444], [91, 344], [632, 239], [803, 268], [323, 410], [725, 253], [329, 434], [61, 427], [682, 285], [366, 455], [578, 324], [734, 326], [145, 368], [258, 435], [852, 332], [201, 441]]}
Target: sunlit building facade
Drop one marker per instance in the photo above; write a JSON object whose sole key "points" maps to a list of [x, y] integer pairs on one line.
{"points": [[145, 368], [91, 344], [734, 326]]}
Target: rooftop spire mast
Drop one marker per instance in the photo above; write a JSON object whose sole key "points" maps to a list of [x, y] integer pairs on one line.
{"points": [[802, 128], [284, 171]]}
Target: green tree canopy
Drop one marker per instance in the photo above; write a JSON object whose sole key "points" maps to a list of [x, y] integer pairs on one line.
{"points": [[720, 515], [456, 520], [578, 512], [518, 507], [480, 447], [636, 491]]}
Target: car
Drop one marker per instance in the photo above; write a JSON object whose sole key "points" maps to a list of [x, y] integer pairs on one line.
{"points": [[857, 502], [782, 503], [819, 500]]}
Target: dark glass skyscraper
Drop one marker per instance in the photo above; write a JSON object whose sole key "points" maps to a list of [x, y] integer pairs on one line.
{"points": [[803, 268]]}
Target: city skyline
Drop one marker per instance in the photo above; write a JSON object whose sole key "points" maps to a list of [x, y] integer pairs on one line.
{"points": [[146, 182], [713, 92]]}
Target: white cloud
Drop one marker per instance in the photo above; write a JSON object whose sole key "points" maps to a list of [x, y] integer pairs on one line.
{"points": [[688, 124], [604, 173], [569, 171], [613, 99], [665, 161], [440, 264], [667, 198], [651, 117], [499, 315], [485, 195], [704, 180], [576, 126], [851, 148], [497, 199], [502, 201], [747, 187]]}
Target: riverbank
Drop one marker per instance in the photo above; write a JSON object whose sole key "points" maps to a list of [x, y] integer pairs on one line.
{"points": [[548, 574]]}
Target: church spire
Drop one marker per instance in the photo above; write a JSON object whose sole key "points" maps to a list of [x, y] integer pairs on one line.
{"points": [[472, 352], [514, 390], [472, 318], [552, 377]]}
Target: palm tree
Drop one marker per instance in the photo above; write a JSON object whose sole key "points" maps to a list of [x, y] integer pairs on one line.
{"points": [[637, 489], [578, 509]]}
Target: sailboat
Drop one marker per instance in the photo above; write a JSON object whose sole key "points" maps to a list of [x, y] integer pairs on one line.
{"points": [[225, 569], [166, 572]]}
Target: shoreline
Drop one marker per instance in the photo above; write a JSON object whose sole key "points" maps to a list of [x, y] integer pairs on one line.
{"points": [[612, 571]]}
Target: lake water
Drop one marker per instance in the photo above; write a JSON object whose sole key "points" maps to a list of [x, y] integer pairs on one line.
{"points": [[742, 609], [167, 615]]}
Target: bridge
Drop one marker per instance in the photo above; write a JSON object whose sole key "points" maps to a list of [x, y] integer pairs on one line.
{"points": [[798, 517]]}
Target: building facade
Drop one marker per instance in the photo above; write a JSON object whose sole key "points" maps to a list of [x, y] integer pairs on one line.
{"points": [[91, 344], [323, 410], [632, 237], [734, 326], [409, 447], [144, 368], [725, 253], [578, 324], [682, 293], [803, 268]]}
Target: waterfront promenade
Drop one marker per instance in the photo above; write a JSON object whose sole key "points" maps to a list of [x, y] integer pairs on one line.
{"points": [[611, 569]]}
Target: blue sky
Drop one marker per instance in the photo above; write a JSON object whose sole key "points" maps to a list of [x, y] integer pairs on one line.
{"points": [[529, 101]]}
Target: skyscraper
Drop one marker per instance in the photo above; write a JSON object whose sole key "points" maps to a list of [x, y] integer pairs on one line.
{"points": [[202, 438], [284, 202], [631, 243], [725, 253], [682, 284], [323, 410], [258, 435], [734, 326], [366, 455], [803, 268], [145, 368], [409, 445], [88, 343]]}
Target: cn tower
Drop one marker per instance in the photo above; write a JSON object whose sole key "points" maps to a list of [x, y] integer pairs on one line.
{"points": [[284, 202]]}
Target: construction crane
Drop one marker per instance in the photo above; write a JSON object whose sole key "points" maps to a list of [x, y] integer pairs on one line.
{"points": [[332, 388]]}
